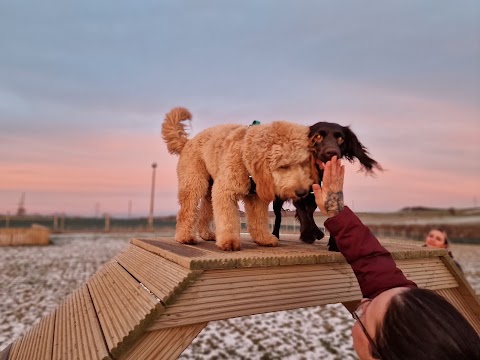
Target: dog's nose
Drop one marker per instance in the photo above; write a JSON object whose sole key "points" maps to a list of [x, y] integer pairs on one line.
{"points": [[301, 193], [331, 153]]}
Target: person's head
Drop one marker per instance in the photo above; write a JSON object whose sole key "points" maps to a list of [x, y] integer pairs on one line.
{"points": [[418, 324], [436, 238]]}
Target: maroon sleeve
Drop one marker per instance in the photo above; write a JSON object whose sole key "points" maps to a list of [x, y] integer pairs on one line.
{"points": [[372, 264]]}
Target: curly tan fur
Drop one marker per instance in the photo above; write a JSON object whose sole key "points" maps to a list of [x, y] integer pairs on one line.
{"points": [[173, 131], [276, 155]]}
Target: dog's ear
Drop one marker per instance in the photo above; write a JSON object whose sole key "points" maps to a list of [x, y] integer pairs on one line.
{"points": [[355, 149], [257, 140], [314, 170], [264, 181]]}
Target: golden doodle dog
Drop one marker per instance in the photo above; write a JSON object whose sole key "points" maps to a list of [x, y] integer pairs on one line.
{"points": [[214, 172]]}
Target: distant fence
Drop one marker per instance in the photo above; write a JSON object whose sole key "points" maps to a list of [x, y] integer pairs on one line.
{"points": [[35, 235], [63, 223], [458, 233], [109, 224]]}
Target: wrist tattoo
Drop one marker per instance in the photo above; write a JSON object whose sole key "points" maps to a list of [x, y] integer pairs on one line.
{"points": [[334, 203]]}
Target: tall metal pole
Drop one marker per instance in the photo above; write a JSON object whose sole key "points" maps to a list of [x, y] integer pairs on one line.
{"points": [[152, 196]]}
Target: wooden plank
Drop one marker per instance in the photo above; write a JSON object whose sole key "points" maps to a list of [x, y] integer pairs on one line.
{"points": [[124, 307], [37, 344], [77, 330], [224, 293], [186, 317], [290, 251], [164, 344], [204, 300], [328, 276], [422, 268], [332, 273], [465, 289], [270, 289], [162, 277], [457, 300], [5, 352]]}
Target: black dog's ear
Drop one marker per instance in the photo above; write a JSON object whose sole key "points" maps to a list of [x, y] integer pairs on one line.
{"points": [[355, 149]]}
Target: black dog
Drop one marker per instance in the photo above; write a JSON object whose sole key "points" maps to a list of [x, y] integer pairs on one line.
{"points": [[327, 140]]}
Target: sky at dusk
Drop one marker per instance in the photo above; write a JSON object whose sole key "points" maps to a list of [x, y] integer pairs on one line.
{"points": [[85, 86]]}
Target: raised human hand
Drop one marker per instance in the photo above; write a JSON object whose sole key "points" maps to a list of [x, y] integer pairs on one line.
{"points": [[329, 196]]}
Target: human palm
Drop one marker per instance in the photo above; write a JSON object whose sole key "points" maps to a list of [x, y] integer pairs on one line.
{"points": [[329, 196]]}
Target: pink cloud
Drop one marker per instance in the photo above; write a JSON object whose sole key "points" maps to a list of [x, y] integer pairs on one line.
{"points": [[117, 164], [429, 160]]}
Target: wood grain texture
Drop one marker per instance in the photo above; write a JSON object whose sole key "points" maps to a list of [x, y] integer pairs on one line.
{"points": [[77, 330], [291, 251], [124, 307], [164, 344], [224, 293], [165, 279], [37, 343]]}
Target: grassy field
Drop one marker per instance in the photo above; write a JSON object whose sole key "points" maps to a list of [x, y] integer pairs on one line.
{"points": [[36, 279]]}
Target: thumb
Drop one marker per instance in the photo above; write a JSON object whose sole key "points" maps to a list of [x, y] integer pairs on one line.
{"points": [[316, 189]]}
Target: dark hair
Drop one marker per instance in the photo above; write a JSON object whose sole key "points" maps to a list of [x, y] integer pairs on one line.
{"points": [[420, 324], [444, 232]]}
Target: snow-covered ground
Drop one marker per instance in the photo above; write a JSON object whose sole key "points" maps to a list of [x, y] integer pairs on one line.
{"points": [[35, 279]]}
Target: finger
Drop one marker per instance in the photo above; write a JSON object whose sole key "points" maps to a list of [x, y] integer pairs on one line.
{"points": [[334, 172], [339, 168], [327, 175], [342, 174], [317, 191]]}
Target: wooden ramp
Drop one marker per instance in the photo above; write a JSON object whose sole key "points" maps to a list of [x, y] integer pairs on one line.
{"points": [[156, 295]]}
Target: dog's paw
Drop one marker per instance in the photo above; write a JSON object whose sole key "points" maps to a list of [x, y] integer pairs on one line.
{"points": [[188, 241], [308, 238], [319, 234], [267, 240], [229, 245], [207, 235]]}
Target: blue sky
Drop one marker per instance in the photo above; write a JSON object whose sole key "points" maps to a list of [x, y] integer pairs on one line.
{"points": [[84, 87]]}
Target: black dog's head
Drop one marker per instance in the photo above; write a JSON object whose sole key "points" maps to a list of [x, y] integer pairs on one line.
{"points": [[330, 139]]}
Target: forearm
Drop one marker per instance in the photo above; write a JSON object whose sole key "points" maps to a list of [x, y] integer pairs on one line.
{"points": [[372, 264]]}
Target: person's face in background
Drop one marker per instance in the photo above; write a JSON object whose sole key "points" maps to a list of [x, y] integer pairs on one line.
{"points": [[436, 239]]}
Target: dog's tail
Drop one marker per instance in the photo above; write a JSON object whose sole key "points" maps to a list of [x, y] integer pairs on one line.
{"points": [[173, 130]]}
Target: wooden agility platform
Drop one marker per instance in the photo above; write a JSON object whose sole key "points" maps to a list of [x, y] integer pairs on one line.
{"points": [[154, 297]]}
